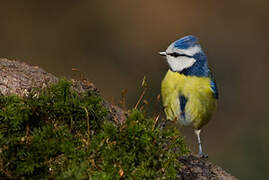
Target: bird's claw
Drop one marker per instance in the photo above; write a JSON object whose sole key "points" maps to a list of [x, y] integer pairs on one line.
{"points": [[204, 156]]}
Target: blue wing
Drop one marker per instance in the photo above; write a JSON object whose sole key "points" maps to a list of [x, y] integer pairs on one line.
{"points": [[183, 101], [214, 89]]}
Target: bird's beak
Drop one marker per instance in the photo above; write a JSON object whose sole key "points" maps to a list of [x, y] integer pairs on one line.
{"points": [[162, 53]]}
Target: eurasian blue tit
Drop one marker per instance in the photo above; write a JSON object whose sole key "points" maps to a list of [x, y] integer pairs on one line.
{"points": [[189, 91]]}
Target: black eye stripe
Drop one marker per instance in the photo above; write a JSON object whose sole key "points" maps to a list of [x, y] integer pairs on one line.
{"points": [[175, 54]]}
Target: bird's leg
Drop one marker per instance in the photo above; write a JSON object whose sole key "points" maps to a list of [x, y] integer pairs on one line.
{"points": [[197, 132]]}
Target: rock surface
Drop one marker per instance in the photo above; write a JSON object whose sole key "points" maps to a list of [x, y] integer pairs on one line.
{"points": [[200, 168], [20, 78]]}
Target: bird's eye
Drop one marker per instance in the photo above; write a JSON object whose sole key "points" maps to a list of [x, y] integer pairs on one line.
{"points": [[174, 54]]}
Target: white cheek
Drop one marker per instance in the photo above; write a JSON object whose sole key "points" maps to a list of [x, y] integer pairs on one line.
{"points": [[180, 63]]}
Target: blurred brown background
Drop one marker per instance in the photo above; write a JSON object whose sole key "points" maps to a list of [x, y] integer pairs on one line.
{"points": [[115, 43]]}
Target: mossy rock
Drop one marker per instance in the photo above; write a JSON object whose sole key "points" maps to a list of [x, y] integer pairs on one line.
{"points": [[57, 133]]}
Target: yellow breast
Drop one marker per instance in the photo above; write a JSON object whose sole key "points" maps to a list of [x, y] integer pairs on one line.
{"points": [[200, 100]]}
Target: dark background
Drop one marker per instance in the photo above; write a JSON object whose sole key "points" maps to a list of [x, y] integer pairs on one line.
{"points": [[115, 43]]}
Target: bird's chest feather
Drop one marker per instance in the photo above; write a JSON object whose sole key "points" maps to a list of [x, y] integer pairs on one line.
{"points": [[188, 99]]}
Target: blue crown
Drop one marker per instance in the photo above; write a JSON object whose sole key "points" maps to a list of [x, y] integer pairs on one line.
{"points": [[186, 42]]}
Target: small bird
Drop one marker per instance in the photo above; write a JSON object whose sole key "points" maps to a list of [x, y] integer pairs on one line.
{"points": [[189, 91]]}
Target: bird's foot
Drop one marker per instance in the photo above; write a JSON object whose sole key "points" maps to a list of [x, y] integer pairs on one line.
{"points": [[204, 156]]}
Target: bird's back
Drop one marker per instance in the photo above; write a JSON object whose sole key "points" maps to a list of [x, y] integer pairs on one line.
{"points": [[188, 99]]}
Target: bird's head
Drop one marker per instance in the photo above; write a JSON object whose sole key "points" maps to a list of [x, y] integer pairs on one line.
{"points": [[186, 56]]}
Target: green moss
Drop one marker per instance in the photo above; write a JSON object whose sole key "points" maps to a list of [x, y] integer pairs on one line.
{"points": [[60, 134]]}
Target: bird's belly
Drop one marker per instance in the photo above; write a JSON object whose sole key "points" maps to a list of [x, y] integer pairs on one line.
{"points": [[200, 102], [197, 111]]}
